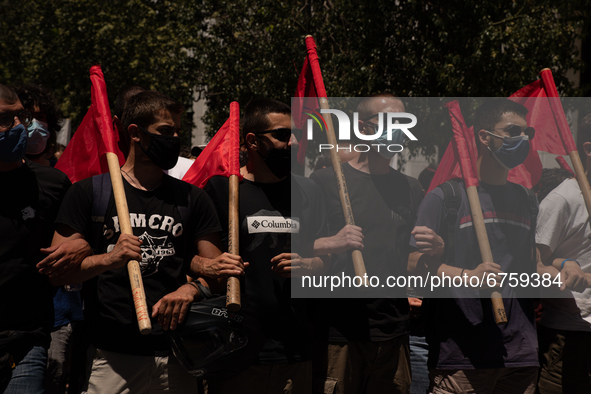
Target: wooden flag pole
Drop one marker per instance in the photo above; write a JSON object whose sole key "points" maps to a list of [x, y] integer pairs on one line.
{"points": [[563, 127], [460, 145], [133, 267], [233, 303], [581, 178], [485, 251], [358, 263]]}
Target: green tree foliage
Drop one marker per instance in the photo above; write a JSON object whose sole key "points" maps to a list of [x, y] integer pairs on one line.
{"points": [[235, 50], [136, 42]]}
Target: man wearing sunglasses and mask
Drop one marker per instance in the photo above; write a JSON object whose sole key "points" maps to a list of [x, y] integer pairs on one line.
{"points": [[275, 234], [29, 203], [468, 351]]}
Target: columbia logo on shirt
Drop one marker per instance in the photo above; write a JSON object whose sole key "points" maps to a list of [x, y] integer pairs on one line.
{"points": [[272, 224]]}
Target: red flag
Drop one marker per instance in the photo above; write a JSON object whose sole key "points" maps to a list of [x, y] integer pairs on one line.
{"points": [[464, 151], [563, 164], [526, 174], [545, 114], [310, 86], [85, 154], [221, 155]]}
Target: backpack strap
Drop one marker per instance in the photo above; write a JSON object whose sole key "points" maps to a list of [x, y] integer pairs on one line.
{"points": [[101, 196], [183, 198], [532, 208], [452, 199]]}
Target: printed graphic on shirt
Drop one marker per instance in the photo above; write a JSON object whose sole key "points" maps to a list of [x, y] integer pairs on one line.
{"points": [[153, 248], [154, 222], [28, 213]]}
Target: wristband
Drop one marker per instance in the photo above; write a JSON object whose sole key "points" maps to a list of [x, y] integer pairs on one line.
{"points": [[565, 260], [199, 294], [462, 273], [205, 291]]}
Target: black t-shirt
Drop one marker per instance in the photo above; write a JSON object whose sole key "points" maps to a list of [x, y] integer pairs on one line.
{"points": [[461, 331], [29, 204], [270, 225], [168, 246], [384, 206]]}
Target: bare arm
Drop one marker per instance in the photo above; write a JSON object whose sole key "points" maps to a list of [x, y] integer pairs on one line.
{"points": [[212, 263], [127, 248], [210, 266], [292, 264], [572, 276], [428, 241], [349, 237], [64, 256]]}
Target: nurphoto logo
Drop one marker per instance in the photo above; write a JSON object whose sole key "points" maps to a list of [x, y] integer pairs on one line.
{"points": [[389, 132]]}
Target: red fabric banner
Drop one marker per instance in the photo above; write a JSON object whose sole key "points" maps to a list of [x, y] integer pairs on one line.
{"points": [[563, 164], [221, 155], [85, 154], [464, 151], [540, 117], [526, 174], [545, 114], [558, 112], [310, 87]]}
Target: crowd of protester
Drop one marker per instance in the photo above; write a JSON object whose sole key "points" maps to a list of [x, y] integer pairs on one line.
{"points": [[69, 322]]}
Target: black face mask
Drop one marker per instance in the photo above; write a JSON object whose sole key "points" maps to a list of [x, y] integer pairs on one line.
{"points": [[278, 161], [163, 150]]}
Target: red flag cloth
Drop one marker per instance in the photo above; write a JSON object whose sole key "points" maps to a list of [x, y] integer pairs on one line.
{"points": [[541, 117], [221, 155], [85, 154], [526, 174], [465, 152], [310, 86], [563, 164], [553, 135], [557, 133]]}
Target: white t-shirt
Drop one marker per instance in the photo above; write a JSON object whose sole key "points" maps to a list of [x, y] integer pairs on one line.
{"points": [[563, 226], [181, 168]]}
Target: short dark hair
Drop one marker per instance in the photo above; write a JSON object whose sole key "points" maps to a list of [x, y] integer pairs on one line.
{"points": [[8, 94], [550, 179], [142, 108], [584, 135], [488, 114], [31, 95], [123, 97], [255, 114], [363, 108]]}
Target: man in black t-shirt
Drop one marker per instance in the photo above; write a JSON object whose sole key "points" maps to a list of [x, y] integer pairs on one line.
{"points": [[272, 229], [368, 350], [171, 220], [468, 351]]}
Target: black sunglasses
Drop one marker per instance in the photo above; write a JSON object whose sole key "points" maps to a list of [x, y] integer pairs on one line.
{"points": [[7, 118], [282, 134], [515, 131]]}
